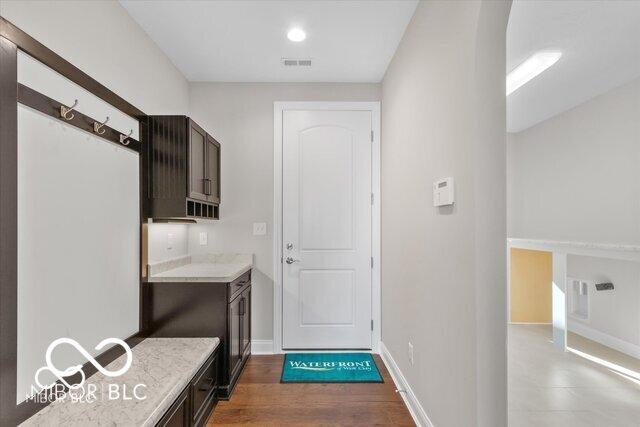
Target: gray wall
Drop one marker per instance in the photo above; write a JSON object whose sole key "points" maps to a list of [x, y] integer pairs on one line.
{"points": [[613, 313], [240, 115], [443, 269], [162, 247], [576, 176], [101, 39]]}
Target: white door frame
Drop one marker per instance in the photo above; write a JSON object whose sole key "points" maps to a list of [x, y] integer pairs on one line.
{"points": [[278, 109]]}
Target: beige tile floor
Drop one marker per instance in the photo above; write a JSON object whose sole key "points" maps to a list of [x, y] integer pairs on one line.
{"points": [[549, 387]]}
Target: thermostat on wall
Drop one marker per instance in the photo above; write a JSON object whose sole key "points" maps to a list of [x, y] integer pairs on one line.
{"points": [[443, 192]]}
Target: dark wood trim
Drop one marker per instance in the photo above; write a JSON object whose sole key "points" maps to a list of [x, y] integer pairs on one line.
{"points": [[28, 408], [8, 230], [34, 48], [13, 39], [40, 102]]}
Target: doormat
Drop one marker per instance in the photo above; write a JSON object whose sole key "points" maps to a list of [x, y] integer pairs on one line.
{"points": [[330, 368]]}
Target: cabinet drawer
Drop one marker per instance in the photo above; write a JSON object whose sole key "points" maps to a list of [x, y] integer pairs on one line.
{"points": [[204, 386], [238, 285]]}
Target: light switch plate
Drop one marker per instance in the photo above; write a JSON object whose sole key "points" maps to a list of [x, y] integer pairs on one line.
{"points": [[259, 228], [203, 238]]}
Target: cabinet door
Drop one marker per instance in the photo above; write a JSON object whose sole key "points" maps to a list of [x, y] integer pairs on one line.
{"points": [[246, 320], [178, 413], [197, 162], [235, 335], [203, 388], [212, 187]]}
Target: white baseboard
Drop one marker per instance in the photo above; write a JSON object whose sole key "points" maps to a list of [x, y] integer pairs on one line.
{"points": [[605, 339], [415, 409], [261, 347]]}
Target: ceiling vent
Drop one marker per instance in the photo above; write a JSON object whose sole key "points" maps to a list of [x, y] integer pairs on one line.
{"points": [[288, 62]]}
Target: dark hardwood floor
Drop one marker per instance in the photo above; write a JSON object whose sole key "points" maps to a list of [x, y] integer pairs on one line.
{"points": [[260, 399]]}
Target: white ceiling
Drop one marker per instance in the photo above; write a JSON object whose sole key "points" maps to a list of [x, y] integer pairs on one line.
{"points": [[244, 41], [600, 42]]}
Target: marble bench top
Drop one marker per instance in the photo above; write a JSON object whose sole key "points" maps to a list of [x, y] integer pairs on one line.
{"points": [[201, 268], [164, 365]]}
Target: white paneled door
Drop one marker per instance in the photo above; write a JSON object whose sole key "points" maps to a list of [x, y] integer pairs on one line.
{"points": [[326, 229]]}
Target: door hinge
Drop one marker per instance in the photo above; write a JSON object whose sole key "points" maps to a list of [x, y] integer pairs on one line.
{"points": [[371, 136], [371, 262], [372, 199], [281, 260], [372, 324]]}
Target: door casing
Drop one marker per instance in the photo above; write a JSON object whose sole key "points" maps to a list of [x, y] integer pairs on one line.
{"points": [[278, 109]]}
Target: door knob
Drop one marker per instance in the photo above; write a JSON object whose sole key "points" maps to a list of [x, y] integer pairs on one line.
{"points": [[290, 260]]}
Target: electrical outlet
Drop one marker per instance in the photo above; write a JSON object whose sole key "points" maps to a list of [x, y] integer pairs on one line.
{"points": [[259, 228], [203, 238], [410, 353], [170, 241]]}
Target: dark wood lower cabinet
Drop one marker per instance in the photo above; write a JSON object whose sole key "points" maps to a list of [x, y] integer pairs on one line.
{"points": [[195, 403], [178, 413], [197, 309]]}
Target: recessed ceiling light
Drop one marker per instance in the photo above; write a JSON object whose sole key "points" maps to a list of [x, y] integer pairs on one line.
{"points": [[530, 68], [296, 35]]}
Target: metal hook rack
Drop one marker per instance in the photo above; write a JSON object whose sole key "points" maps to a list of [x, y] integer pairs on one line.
{"points": [[97, 127], [124, 139], [65, 111], [59, 111]]}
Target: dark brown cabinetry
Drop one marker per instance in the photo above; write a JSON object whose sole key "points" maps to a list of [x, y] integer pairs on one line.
{"points": [[197, 309], [213, 170], [181, 169], [239, 329], [178, 413], [195, 403]]}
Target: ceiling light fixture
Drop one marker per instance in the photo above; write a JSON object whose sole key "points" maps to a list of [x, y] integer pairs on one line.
{"points": [[296, 35], [529, 69]]}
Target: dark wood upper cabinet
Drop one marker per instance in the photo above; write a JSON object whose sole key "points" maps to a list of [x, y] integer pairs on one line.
{"points": [[181, 169], [212, 179], [197, 162]]}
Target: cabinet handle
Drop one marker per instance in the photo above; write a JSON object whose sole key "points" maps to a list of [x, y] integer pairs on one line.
{"points": [[242, 300], [207, 186]]}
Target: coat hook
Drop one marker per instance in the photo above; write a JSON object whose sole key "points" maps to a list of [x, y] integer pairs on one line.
{"points": [[97, 127], [66, 112], [124, 138]]}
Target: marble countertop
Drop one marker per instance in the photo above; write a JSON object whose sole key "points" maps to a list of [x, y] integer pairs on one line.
{"points": [[201, 268], [164, 365]]}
